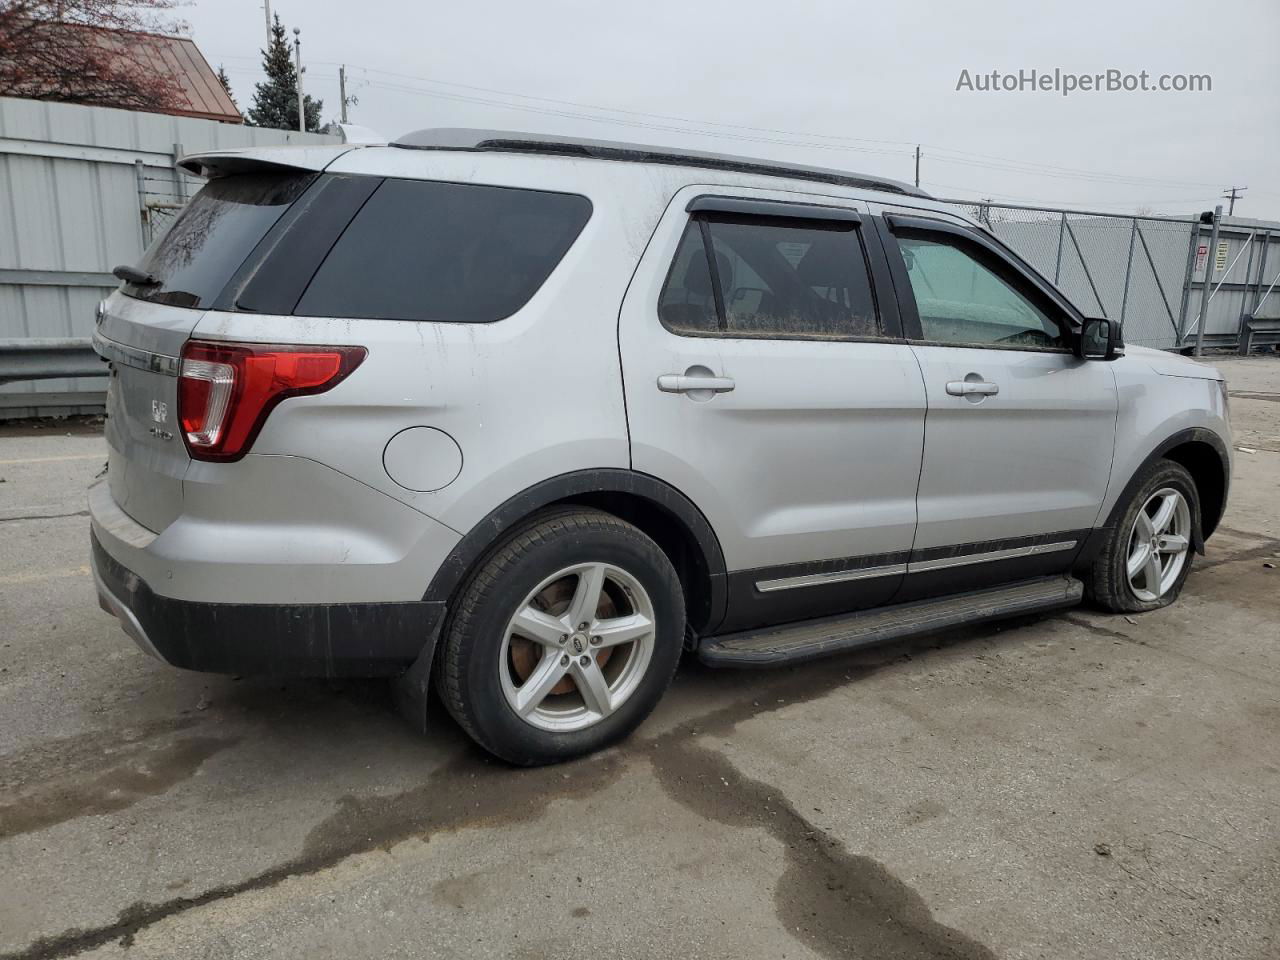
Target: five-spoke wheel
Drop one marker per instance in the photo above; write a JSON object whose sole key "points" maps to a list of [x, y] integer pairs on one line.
{"points": [[1147, 552], [1158, 544], [578, 646], [564, 639]]}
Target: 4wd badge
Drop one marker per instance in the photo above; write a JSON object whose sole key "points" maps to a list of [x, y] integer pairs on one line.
{"points": [[160, 413]]}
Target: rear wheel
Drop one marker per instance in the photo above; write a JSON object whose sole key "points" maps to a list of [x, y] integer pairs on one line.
{"points": [[1147, 557], [564, 639]]}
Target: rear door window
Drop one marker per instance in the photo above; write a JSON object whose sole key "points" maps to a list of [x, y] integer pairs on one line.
{"points": [[770, 277], [194, 259], [425, 250]]}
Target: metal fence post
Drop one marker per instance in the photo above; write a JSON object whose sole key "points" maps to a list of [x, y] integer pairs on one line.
{"points": [[1085, 266], [1203, 319], [140, 174], [1155, 275], [1057, 267], [1262, 271], [177, 172], [1128, 271], [1187, 279]]}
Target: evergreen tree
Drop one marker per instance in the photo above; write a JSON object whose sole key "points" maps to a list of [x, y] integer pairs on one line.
{"points": [[226, 85], [275, 102]]}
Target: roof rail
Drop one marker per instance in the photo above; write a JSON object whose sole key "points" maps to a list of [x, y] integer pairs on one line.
{"points": [[507, 141]]}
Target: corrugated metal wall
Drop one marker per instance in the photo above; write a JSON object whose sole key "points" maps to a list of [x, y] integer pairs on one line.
{"points": [[1244, 267], [70, 210]]}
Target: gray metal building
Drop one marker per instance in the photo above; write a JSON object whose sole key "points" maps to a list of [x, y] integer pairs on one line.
{"points": [[81, 190]]}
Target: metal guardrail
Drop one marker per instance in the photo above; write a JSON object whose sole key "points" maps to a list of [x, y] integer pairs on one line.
{"points": [[48, 358]]}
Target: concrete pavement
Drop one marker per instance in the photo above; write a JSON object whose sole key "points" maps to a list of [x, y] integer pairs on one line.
{"points": [[1075, 786]]}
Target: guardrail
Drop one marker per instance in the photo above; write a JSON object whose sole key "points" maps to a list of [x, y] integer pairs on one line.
{"points": [[48, 358]]}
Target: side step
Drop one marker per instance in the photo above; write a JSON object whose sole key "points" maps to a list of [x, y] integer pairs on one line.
{"points": [[795, 642]]}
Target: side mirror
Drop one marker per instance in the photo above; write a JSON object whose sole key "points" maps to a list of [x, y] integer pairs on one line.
{"points": [[1097, 340]]}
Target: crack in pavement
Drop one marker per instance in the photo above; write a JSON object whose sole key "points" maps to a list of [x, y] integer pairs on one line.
{"points": [[835, 902], [45, 516], [828, 897]]}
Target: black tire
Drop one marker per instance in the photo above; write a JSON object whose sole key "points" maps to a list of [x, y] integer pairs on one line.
{"points": [[467, 671], [1108, 582]]}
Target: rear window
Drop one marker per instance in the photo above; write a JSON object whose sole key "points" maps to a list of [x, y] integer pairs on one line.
{"points": [[214, 235], [424, 250]]}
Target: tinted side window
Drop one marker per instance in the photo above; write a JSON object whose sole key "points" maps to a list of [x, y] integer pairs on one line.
{"points": [[777, 278], [963, 300], [194, 259], [687, 303], [423, 250]]}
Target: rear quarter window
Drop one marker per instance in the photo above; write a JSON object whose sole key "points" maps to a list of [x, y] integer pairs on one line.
{"points": [[463, 253]]}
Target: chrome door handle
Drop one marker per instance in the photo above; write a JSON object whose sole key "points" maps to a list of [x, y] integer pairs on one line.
{"points": [[965, 388], [680, 383]]}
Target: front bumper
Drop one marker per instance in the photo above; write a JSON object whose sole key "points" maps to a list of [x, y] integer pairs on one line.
{"points": [[298, 640]]}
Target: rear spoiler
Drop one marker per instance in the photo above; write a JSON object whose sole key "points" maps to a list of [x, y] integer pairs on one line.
{"points": [[222, 163]]}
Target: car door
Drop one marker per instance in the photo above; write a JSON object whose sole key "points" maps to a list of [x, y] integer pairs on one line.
{"points": [[765, 379], [1019, 435]]}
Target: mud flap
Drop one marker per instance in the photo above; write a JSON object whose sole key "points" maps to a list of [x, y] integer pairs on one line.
{"points": [[412, 688]]}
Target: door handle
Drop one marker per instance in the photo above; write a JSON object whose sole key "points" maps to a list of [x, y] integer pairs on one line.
{"points": [[968, 388], [682, 383]]}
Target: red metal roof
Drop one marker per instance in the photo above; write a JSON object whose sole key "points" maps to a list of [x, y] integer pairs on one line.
{"points": [[196, 89], [197, 82]]}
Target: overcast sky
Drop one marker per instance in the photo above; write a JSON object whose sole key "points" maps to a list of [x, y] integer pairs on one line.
{"points": [[844, 84]]}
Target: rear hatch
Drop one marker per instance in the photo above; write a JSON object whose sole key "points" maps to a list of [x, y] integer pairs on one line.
{"points": [[144, 325]]}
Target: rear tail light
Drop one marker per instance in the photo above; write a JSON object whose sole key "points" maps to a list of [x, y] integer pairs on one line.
{"points": [[226, 390]]}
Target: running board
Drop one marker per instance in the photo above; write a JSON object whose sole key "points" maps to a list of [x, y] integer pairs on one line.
{"points": [[796, 642]]}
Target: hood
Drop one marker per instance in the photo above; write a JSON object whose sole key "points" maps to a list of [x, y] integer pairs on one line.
{"points": [[1172, 364]]}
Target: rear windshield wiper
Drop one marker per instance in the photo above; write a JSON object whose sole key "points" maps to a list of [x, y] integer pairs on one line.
{"points": [[135, 276]]}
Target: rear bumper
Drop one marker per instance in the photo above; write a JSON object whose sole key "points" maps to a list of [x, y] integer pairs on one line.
{"points": [[321, 640]]}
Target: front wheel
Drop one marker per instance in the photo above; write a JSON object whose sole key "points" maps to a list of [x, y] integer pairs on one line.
{"points": [[564, 640], [1147, 556]]}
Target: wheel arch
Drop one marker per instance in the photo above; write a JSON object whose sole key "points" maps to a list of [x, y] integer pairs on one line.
{"points": [[661, 511], [1205, 456]]}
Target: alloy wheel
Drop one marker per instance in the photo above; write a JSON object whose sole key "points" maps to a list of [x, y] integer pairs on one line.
{"points": [[1158, 544], [577, 647]]}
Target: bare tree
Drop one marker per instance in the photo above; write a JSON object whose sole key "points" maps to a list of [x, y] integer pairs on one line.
{"points": [[87, 51]]}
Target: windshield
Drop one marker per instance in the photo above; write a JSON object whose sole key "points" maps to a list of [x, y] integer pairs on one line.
{"points": [[193, 261]]}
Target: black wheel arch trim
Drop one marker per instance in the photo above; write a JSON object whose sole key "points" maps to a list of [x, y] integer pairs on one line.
{"points": [[1189, 435], [580, 483]]}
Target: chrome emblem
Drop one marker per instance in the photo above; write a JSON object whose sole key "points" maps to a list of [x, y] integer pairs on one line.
{"points": [[159, 411]]}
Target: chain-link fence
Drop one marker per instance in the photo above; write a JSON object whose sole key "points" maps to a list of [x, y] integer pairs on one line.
{"points": [[162, 193], [1129, 269]]}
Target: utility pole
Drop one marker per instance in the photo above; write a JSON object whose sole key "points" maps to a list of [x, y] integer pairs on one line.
{"points": [[917, 165], [302, 103], [342, 90], [266, 8], [1233, 194]]}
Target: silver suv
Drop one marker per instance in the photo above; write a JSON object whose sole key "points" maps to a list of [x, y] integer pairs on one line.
{"points": [[529, 417]]}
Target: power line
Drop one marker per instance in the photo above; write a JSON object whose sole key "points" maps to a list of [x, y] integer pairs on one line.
{"points": [[774, 135]]}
